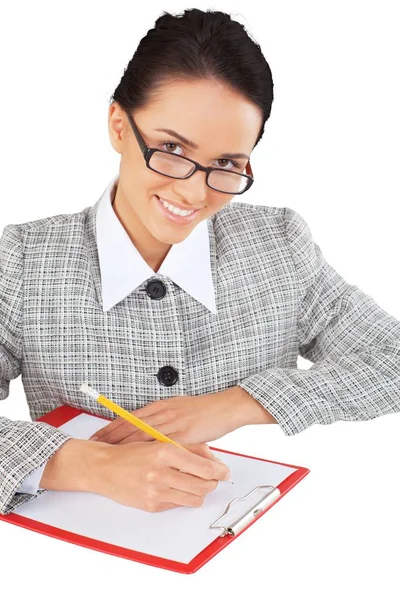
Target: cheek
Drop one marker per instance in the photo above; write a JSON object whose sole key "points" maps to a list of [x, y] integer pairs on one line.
{"points": [[220, 203], [216, 201], [151, 178]]}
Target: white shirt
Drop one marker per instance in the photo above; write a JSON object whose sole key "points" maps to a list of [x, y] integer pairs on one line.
{"points": [[123, 268]]}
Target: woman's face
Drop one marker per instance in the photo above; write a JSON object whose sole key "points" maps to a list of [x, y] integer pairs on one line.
{"points": [[210, 115]]}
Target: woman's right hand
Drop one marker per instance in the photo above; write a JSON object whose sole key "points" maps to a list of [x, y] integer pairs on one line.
{"points": [[156, 476]]}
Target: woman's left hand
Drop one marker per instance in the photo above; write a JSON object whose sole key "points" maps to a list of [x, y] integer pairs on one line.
{"points": [[191, 419]]}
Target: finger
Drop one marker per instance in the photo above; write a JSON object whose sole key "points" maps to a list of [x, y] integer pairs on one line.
{"points": [[208, 453], [141, 436], [123, 431], [136, 434], [182, 498], [145, 411], [149, 410], [111, 436], [116, 431], [167, 506], [118, 421], [191, 484], [132, 438], [204, 450], [192, 460]]}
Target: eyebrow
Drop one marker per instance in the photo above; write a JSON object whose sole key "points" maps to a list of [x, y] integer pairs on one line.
{"points": [[191, 144]]}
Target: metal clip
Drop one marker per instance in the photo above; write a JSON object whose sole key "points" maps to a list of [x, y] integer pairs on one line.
{"points": [[255, 510]]}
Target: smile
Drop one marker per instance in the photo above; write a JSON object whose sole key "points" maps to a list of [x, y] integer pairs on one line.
{"points": [[174, 213]]}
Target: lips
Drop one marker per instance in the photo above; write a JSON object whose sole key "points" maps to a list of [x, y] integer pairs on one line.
{"points": [[176, 205], [174, 217]]}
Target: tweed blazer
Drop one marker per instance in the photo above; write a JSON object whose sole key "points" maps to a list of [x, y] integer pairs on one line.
{"points": [[276, 298]]}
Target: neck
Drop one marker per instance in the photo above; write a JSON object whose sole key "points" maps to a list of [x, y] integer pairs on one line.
{"points": [[152, 250]]}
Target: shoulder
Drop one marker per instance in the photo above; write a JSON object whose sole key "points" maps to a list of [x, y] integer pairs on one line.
{"points": [[44, 236], [245, 209], [255, 219], [253, 216], [271, 231], [283, 222], [62, 227], [291, 219], [46, 223]]}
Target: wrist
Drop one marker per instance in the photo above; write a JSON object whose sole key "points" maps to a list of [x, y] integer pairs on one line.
{"points": [[248, 410], [76, 466]]}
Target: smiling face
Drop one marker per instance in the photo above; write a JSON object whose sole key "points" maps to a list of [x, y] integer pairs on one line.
{"points": [[217, 120]]}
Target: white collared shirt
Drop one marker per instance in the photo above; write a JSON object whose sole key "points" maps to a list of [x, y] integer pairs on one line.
{"points": [[123, 269]]}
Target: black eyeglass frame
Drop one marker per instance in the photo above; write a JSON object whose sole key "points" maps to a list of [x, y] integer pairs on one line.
{"points": [[148, 153]]}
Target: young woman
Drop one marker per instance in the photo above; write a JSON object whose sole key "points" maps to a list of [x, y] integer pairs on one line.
{"points": [[186, 309]]}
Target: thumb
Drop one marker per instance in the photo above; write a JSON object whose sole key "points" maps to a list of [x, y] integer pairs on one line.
{"points": [[202, 450]]}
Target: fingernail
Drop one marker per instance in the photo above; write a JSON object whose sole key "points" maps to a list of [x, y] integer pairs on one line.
{"points": [[94, 438]]}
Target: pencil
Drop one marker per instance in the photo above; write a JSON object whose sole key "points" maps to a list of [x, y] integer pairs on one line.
{"points": [[86, 389]]}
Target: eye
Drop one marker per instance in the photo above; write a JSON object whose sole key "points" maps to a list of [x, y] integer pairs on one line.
{"points": [[170, 144], [233, 162]]}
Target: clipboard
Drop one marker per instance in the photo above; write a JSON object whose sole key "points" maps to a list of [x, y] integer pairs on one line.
{"points": [[49, 508]]}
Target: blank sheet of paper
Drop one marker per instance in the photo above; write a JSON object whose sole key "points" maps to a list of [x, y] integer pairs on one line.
{"points": [[177, 534]]}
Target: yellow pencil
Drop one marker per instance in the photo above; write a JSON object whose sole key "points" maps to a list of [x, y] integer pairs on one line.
{"points": [[129, 417]]}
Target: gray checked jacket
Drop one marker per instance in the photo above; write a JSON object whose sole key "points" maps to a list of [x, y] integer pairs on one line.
{"points": [[276, 298]]}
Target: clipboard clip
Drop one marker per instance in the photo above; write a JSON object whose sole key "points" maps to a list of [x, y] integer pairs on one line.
{"points": [[254, 511]]}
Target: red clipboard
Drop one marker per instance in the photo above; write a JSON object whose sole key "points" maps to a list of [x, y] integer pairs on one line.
{"points": [[61, 415]]}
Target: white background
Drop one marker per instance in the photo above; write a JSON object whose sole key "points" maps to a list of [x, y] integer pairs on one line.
{"points": [[331, 152]]}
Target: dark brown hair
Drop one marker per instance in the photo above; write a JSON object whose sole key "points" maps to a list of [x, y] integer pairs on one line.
{"points": [[196, 45]]}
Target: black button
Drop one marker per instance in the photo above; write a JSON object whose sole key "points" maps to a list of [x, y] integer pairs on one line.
{"points": [[156, 289], [167, 376]]}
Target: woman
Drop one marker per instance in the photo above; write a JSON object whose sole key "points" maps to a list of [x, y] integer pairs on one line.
{"points": [[183, 308]]}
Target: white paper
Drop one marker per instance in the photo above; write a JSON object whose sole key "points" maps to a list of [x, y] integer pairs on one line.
{"points": [[177, 534]]}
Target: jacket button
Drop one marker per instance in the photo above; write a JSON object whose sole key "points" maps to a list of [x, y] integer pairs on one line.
{"points": [[167, 376], [156, 289]]}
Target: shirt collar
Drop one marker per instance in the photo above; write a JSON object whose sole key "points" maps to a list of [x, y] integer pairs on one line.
{"points": [[123, 268]]}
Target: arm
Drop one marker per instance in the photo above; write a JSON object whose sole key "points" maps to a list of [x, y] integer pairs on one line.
{"points": [[353, 343], [77, 467], [24, 446]]}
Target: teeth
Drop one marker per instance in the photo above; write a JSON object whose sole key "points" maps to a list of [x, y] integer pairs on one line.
{"points": [[176, 211]]}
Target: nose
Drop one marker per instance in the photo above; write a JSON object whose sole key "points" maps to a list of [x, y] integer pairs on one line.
{"points": [[194, 189]]}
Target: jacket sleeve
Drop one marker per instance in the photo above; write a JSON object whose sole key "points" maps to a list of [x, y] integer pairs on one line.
{"points": [[353, 343], [24, 445]]}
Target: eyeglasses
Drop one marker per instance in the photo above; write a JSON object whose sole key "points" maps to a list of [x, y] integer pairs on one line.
{"points": [[179, 167]]}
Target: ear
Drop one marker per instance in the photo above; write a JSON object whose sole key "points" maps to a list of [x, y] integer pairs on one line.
{"points": [[117, 126]]}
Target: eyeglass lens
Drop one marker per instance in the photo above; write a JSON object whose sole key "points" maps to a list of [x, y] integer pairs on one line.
{"points": [[175, 166]]}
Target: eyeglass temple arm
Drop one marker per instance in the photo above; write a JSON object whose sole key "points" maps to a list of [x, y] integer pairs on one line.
{"points": [[249, 170]]}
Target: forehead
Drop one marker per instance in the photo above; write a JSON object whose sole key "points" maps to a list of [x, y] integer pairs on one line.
{"points": [[210, 115]]}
